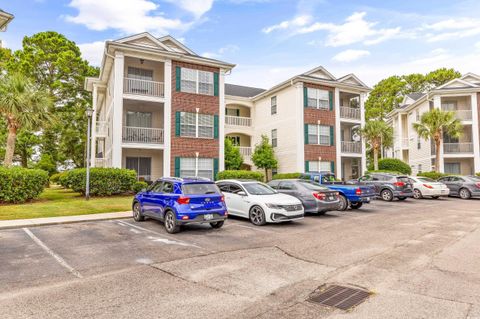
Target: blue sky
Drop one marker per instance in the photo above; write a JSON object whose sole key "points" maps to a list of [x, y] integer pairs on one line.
{"points": [[271, 40]]}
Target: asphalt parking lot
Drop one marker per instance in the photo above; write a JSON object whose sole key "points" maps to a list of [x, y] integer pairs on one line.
{"points": [[420, 258]]}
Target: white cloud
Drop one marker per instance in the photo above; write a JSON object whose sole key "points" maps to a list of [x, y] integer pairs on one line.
{"points": [[196, 7], [230, 48], [93, 52], [477, 45], [453, 28], [299, 21], [350, 55]]}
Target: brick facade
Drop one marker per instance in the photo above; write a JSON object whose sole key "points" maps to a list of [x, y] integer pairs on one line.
{"points": [[189, 102]]}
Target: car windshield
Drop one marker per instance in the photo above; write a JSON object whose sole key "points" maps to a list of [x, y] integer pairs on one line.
{"points": [[200, 188], [259, 189], [312, 186], [425, 180]]}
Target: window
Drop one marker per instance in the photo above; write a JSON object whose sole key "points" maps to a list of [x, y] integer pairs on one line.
{"points": [[188, 125], [200, 189], [419, 168], [287, 186], [319, 99], [417, 115], [273, 105], [232, 112], [322, 166], [187, 167], [235, 140], [419, 143], [197, 125], [200, 167], [167, 188], [205, 126], [196, 81], [318, 134], [141, 165], [449, 106], [140, 74], [205, 168], [274, 138], [139, 119], [452, 168]]}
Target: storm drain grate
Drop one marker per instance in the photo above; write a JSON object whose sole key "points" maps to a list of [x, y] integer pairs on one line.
{"points": [[340, 297]]}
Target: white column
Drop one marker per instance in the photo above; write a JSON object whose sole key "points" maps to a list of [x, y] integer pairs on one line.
{"points": [[338, 131], [437, 104], [167, 118], [93, 142], [362, 121], [117, 116], [475, 133], [221, 121], [299, 114]]}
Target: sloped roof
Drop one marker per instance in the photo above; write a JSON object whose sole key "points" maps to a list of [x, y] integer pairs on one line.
{"points": [[416, 95], [242, 91]]}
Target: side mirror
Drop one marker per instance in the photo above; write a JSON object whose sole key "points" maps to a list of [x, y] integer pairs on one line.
{"points": [[242, 193]]}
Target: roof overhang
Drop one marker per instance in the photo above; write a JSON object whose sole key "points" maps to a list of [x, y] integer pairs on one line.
{"points": [[5, 19]]}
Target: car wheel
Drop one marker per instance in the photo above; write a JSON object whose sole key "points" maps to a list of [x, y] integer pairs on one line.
{"points": [[137, 213], [386, 195], [217, 224], [417, 194], [343, 205], [402, 198], [356, 205], [435, 197], [170, 222], [465, 193], [257, 216]]}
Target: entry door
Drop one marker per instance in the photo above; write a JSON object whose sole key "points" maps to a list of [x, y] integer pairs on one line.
{"points": [[141, 165]]}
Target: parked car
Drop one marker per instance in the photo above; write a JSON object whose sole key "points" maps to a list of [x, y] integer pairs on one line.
{"points": [[424, 186], [463, 186], [259, 202], [181, 201], [314, 197], [388, 186], [353, 196]]}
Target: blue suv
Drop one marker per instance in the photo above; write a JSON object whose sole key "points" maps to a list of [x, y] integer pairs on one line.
{"points": [[181, 201]]}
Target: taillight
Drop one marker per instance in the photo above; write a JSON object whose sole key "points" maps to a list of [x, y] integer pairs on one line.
{"points": [[477, 184], [320, 196], [222, 198], [428, 186], [183, 200], [399, 184], [358, 191]]}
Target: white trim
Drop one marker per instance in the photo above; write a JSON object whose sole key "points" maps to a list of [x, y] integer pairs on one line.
{"points": [[352, 76], [144, 35], [93, 142], [475, 133], [338, 130], [364, 147], [320, 68], [456, 80], [178, 43], [221, 120], [299, 114], [167, 119], [117, 110]]}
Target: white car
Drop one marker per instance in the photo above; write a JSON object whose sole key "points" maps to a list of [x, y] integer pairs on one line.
{"points": [[259, 202], [424, 186]]}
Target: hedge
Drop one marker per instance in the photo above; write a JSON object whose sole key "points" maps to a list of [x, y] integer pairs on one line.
{"points": [[103, 181], [55, 178], [138, 186], [287, 176], [18, 184], [241, 175], [383, 171], [392, 165], [433, 175]]}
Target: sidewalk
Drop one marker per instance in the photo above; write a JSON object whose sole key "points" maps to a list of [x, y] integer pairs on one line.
{"points": [[18, 223]]}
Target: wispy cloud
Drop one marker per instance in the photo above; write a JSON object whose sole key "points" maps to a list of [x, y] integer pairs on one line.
{"points": [[453, 28], [93, 52], [230, 48], [350, 55]]}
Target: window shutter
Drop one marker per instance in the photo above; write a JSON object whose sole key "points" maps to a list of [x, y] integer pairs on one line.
{"points": [[177, 166], [330, 99], [178, 78], [215, 83], [332, 167], [307, 167], [215, 168], [331, 136], [177, 123], [306, 133], [215, 126], [305, 97]]}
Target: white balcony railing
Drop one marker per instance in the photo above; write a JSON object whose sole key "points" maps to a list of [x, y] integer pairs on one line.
{"points": [[142, 135], [100, 162], [101, 128], [246, 151], [347, 112], [454, 148], [143, 87], [352, 147], [405, 143], [238, 120]]}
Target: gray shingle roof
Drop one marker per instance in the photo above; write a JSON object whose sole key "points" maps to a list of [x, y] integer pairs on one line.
{"points": [[242, 91], [416, 95]]}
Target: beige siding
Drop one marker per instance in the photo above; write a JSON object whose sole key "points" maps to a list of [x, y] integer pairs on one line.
{"points": [[417, 156]]}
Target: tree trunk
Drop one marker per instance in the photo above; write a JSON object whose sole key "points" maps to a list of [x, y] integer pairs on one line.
{"points": [[266, 175], [437, 155], [24, 158], [10, 149], [375, 158]]}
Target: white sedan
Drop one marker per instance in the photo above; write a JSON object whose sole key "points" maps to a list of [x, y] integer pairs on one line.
{"points": [[424, 186], [259, 202]]}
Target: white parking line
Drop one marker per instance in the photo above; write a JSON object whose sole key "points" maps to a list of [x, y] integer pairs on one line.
{"points": [[59, 259], [253, 228]]}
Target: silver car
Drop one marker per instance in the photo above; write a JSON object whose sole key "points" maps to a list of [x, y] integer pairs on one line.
{"points": [[463, 186]]}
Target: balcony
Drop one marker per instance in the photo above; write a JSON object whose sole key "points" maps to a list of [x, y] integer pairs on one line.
{"points": [[463, 115], [101, 129], [100, 162], [352, 113], [246, 151], [238, 121], [456, 148], [352, 147], [143, 87], [143, 135]]}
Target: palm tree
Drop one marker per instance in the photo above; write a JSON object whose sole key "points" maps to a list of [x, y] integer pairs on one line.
{"points": [[434, 124], [21, 105], [378, 134]]}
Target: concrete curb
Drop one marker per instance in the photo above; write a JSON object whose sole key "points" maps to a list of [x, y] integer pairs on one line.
{"points": [[33, 222]]}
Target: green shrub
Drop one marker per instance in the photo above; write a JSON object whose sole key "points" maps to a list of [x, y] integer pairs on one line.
{"points": [[241, 175], [55, 178], [478, 174], [138, 186], [18, 184], [47, 164], [103, 181], [287, 176], [433, 175], [393, 165], [383, 171]]}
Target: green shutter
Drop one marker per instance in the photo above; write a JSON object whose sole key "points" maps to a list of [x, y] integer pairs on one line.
{"points": [[332, 167], [177, 123], [215, 126], [306, 133], [215, 83], [215, 168], [305, 97], [307, 166], [177, 166], [178, 78], [331, 136], [330, 99]]}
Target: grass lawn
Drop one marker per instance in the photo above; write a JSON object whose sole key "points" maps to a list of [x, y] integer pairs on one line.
{"points": [[56, 201]]}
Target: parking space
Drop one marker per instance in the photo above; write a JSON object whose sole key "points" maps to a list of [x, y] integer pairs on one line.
{"points": [[397, 249]]}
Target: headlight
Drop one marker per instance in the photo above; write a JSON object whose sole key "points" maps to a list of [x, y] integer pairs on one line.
{"points": [[274, 206]]}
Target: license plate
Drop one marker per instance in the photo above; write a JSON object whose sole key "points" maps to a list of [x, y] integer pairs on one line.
{"points": [[208, 216], [332, 198]]}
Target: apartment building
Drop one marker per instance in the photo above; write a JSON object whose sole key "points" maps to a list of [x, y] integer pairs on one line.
{"points": [[5, 19], [311, 119], [457, 155]]}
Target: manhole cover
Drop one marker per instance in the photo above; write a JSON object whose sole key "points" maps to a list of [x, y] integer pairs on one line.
{"points": [[340, 297]]}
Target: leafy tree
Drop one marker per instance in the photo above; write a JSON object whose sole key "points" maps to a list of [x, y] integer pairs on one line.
{"points": [[24, 147], [264, 156], [441, 76], [233, 158], [434, 124], [377, 134], [47, 164], [21, 105]]}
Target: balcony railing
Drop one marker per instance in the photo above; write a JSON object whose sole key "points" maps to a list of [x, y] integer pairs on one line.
{"points": [[246, 151], [100, 162], [101, 128], [238, 120], [142, 135], [143, 87], [347, 112], [454, 148], [351, 147]]}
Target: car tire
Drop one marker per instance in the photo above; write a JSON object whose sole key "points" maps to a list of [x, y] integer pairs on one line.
{"points": [[402, 198], [386, 195], [257, 216], [464, 193], [417, 194], [170, 221], [217, 225], [356, 205], [343, 205], [137, 212]]}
